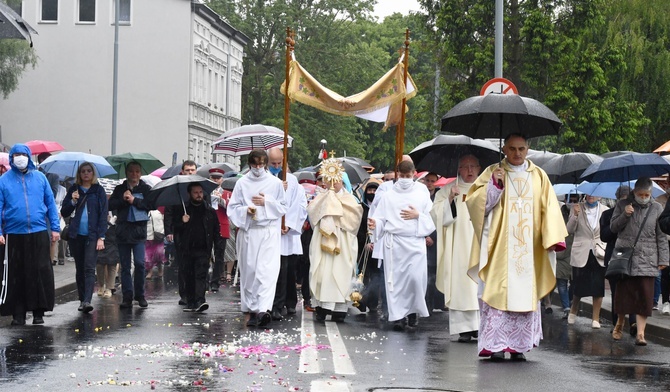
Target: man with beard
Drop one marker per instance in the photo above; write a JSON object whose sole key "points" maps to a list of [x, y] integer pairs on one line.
{"points": [[256, 207], [454, 235], [199, 232]]}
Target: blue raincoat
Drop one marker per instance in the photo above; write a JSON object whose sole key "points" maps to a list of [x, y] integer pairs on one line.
{"points": [[26, 199]]}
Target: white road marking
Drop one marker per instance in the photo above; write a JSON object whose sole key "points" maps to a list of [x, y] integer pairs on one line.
{"points": [[341, 359], [309, 357]]}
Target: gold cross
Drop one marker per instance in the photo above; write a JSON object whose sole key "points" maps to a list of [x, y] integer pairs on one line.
{"points": [[332, 153]]}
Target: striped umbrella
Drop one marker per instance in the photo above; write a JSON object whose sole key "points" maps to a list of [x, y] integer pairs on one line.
{"points": [[240, 141]]}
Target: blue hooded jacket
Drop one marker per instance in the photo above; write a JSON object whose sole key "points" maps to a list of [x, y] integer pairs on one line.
{"points": [[26, 200]]}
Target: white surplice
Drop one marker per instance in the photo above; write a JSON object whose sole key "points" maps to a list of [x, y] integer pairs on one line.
{"points": [[403, 244], [258, 239], [454, 236], [296, 202]]}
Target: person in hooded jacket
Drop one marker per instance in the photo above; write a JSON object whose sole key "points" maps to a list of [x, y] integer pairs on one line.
{"points": [[26, 202], [373, 278]]}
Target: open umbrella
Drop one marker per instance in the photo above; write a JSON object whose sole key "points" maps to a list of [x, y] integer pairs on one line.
{"points": [[171, 172], [229, 183], [441, 154], [4, 160], [13, 26], [66, 164], [627, 167], [148, 162], [40, 146], [241, 140], [540, 157], [611, 154], [361, 162], [608, 189], [356, 173], [499, 115], [173, 191], [566, 168], [305, 176], [565, 189], [203, 171]]}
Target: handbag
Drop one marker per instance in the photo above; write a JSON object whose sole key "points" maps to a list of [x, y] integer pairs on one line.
{"points": [[157, 235], [619, 265]]}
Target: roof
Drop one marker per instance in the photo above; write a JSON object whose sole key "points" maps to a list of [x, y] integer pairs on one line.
{"points": [[219, 23]]}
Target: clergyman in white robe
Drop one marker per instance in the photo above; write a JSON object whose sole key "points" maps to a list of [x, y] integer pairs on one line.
{"points": [[404, 248], [258, 238], [454, 236]]}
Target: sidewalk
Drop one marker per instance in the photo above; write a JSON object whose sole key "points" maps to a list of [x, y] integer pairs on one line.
{"points": [[658, 325], [64, 278]]}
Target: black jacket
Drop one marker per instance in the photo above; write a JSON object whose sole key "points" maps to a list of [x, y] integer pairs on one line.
{"points": [[211, 229], [129, 232]]}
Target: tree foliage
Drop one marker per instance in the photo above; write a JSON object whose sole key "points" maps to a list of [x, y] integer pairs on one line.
{"points": [[15, 56]]}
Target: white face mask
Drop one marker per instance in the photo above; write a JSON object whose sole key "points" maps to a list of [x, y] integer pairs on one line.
{"points": [[21, 162], [405, 183], [642, 200], [257, 171]]}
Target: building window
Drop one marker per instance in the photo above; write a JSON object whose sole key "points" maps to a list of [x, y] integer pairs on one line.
{"points": [[87, 11], [49, 10], [125, 11]]}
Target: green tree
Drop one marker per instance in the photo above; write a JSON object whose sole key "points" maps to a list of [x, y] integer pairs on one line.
{"points": [[15, 56]]}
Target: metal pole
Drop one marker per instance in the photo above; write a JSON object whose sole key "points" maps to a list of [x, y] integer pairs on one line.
{"points": [[115, 83], [498, 40]]}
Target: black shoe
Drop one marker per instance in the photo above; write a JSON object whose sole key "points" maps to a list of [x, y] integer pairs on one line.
{"points": [[86, 307], [182, 302], [518, 357], [464, 338], [61, 262], [38, 317], [253, 320], [81, 306], [399, 325], [202, 307], [276, 315], [412, 320], [633, 330], [320, 314], [142, 302], [498, 357], [264, 319], [214, 289], [188, 308], [127, 303], [338, 317], [548, 310], [19, 321], [290, 310]]}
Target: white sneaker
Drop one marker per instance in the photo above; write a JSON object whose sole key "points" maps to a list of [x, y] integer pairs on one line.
{"points": [[101, 291], [595, 324], [572, 318], [666, 308]]}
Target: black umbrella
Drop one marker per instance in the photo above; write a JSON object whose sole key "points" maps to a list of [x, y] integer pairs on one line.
{"points": [[173, 191], [356, 173], [229, 183], [611, 154], [499, 115], [566, 169], [13, 26], [441, 154], [627, 167], [362, 162], [171, 172]]}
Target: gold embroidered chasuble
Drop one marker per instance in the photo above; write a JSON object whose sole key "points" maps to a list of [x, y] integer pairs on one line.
{"points": [[525, 223]]}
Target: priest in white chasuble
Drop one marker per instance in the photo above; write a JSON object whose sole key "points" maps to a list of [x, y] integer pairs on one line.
{"points": [[335, 216], [454, 236], [401, 223], [518, 227]]}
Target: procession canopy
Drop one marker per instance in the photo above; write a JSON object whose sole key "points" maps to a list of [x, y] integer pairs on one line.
{"points": [[382, 102]]}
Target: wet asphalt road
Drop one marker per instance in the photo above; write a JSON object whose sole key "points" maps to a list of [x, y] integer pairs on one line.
{"points": [[163, 348]]}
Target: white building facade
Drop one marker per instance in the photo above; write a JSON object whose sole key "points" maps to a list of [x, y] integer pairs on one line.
{"points": [[179, 78]]}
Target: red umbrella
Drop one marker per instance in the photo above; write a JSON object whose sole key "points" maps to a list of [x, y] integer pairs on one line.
{"points": [[40, 146]]}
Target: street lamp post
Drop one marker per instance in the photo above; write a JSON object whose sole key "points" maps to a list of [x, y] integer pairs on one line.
{"points": [[115, 83]]}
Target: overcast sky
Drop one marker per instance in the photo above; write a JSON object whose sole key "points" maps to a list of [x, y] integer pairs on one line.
{"points": [[387, 7]]}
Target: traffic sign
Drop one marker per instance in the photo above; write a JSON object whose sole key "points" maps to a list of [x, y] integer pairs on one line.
{"points": [[499, 86]]}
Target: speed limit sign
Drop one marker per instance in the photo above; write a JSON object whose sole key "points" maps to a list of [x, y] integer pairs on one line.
{"points": [[499, 86]]}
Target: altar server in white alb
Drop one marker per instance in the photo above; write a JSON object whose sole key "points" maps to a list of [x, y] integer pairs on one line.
{"points": [[454, 236], [256, 207], [401, 222]]}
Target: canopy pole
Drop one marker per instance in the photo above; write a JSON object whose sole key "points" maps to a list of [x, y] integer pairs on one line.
{"points": [[400, 130], [290, 43]]}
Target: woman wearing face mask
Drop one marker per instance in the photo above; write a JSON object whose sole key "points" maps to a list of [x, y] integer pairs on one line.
{"points": [[635, 294], [587, 257], [372, 278]]}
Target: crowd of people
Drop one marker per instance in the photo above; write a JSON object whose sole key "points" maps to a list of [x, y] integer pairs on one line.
{"points": [[490, 247]]}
